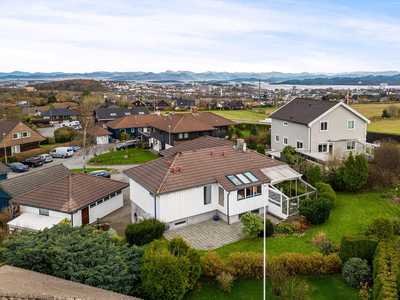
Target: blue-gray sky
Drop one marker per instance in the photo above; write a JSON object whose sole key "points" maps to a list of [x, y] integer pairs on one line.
{"points": [[244, 36]]}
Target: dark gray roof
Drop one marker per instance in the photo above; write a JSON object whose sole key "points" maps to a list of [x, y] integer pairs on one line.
{"points": [[60, 112], [302, 111], [185, 103], [103, 114], [4, 168], [6, 126], [22, 184]]}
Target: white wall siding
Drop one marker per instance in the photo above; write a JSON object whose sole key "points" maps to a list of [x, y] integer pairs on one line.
{"points": [[293, 132], [248, 204], [102, 140], [77, 218], [52, 213], [105, 208], [141, 197]]}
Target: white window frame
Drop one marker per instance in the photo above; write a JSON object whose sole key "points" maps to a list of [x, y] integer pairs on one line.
{"points": [[297, 145], [347, 145], [44, 212], [28, 134], [285, 138], [18, 135], [15, 149], [327, 148], [186, 135], [181, 135], [354, 124], [207, 194], [277, 138], [285, 123], [327, 126]]}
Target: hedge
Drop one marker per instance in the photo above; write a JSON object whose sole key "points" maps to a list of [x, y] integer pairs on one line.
{"points": [[144, 232], [261, 127], [386, 265], [357, 246]]}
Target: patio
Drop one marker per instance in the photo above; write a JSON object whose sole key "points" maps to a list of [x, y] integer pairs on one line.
{"points": [[210, 234]]}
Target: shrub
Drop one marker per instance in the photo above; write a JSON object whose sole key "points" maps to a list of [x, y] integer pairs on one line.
{"points": [[355, 172], [355, 271], [296, 226], [226, 281], [269, 229], [277, 274], [144, 232], [139, 145], [51, 140], [253, 130], [65, 134], [387, 149], [328, 247], [261, 149], [245, 265], [314, 175], [10, 159], [392, 110], [326, 191], [169, 274], [318, 238], [357, 246], [285, 228], [396, 226], [316, 211], [385, 114], [146, 145], [335, 179], [379, 178], [294, 288], [212, 264], [238, 133], [252, 224], [381, 227]]}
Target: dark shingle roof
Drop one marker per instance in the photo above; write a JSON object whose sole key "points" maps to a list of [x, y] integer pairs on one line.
{"points": [[199, 168], [59, 112], [18, 283], [4, 168], [6, 126], [70, 193], [203, 142], [104, 114], [302, 111], [22, 184]]}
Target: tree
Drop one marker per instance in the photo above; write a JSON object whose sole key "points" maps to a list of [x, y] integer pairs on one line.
{"points": [[355, 172], [253, 130], [385, 114], [51, 99], [314, 175], [252, 224], [261, 149], [87, 105], [316, 211]]}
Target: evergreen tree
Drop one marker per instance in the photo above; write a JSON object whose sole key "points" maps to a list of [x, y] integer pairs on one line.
{"points": [[355, 172]]}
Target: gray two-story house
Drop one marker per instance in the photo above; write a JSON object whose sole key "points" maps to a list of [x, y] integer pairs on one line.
{"points": [[318, 127]]}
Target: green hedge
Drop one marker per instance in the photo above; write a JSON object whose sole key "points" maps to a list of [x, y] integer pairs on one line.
{"points": [[386, 271], [144, 232], [10, 159], [357, 246], [261, 127]]}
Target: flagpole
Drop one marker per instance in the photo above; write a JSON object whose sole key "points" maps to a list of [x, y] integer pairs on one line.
{"points": [[264, 247]]}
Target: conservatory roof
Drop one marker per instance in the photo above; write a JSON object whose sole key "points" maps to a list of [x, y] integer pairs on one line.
{"points": [[280, 173]]}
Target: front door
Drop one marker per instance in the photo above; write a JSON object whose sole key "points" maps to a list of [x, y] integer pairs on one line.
{"points": [[85, 215]]}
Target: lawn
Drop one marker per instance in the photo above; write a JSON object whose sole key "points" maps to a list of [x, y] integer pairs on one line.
{"points": [[350, 217], [122, 157], [242, 115], [320, 287], [88, 170], [372, 109], [385, 126]]}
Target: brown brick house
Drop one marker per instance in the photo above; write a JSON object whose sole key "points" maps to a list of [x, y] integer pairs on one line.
{"points": [[16, 137]]}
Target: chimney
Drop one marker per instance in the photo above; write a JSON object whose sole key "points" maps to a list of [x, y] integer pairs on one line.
{"points": [[173, 170], [4, 116], [240, 145], [212, 152], [224, 153], [180, 169], [195, 111], [169, 163]]}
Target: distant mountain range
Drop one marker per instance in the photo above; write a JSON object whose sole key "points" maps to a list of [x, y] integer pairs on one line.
{"points": [[391, 77]]}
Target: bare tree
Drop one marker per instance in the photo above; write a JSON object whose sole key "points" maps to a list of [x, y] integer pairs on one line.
{"points": [[87, 105]]}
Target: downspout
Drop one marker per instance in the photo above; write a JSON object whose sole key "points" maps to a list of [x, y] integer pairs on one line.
{"points": [[228, 208], [155, 207], [72, 220], [309, 139]]}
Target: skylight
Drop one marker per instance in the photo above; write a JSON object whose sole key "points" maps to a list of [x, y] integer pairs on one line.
{"points": [[251, 176], [242, 178], [127, 114], [234, 180]]}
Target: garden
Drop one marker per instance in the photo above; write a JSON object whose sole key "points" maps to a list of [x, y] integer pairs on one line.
{"points": [[123, 157]]}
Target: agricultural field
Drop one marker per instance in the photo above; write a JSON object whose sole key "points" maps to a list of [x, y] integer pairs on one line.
{"points": [[372, 109], [385, 126]]}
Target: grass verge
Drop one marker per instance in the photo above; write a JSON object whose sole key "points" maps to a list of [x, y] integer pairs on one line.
{"points": [[123, 157]]}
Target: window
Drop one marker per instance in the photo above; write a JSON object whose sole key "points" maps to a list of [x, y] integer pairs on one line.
{"points": [[186, 135], [99, 202], [127, 114], [300, 145], [351, 145], [249, 192], [112, 195], [234, 180], [323, 148], [277, 138], [26, 134], [15, 149], [92, 205], [243, 178], [324, 126], [285, 140], [16, 136], [160, 131], [180, 223], [351, 124], [207, 194], [43, 212], [181, 135], [285, 124], [113, 114], [119, 192], [141, 113], [221, 196], [240, 195], [257, 190], [139, 129], [251, 176], [106, 198]]}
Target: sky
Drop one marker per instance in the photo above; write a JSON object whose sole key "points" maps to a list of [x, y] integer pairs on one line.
{"points": [[233, 36]]}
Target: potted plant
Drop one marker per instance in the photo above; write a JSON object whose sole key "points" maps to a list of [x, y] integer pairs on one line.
{"points": [[216, 218]]}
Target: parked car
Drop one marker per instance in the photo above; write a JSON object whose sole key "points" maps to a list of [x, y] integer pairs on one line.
{"points": [[46, 158], [74, 123], [127, 144], [101, 173], [62, 152], [76, 127], [18, 167], [33, 161]]}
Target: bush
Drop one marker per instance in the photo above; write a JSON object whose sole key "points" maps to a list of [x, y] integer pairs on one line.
{"points": [[325, 190], [328, 247], [253, 130], [226, 281], [168, 273], [294, 288], [245, 265], [296, 226], [139, 145], [355, 271], [316, 211], [385, 114], [252, 224], [146, 145], [335, 179], [144, 232], [387, 149], [10, 159], [355, 172], [65, 134], [380, 227], [238, 133], [269, 229], [285, 228], [261, 149], [396, 226], [314, 175], [212, 264], [357, 246]]}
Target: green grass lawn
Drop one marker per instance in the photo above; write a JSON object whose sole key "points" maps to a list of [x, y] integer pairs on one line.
{"points": [[88, 170], [350, 217], [242, 115], [385, 126], [321, 287], [134, 156]]}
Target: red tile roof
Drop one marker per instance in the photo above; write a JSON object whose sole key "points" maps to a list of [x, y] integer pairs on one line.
{"points": [[96, 131], [133, 121], [178, 123]]}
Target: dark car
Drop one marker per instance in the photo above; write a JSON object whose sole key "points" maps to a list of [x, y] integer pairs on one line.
{"points": [[101, 173], [18, 167], [127, 144], [33, 161]]}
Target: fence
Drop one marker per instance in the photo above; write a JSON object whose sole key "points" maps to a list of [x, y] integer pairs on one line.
{"points": [[376, 136]]}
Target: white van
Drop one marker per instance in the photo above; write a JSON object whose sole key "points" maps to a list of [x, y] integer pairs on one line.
{"points": [[62, 152]]}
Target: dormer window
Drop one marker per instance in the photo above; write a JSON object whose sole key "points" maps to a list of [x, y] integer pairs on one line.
{"points": [[113, 114], [127, 114]]}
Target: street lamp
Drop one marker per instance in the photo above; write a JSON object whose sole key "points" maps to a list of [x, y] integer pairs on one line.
{"points": [[358, 94], [5, 152]]}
